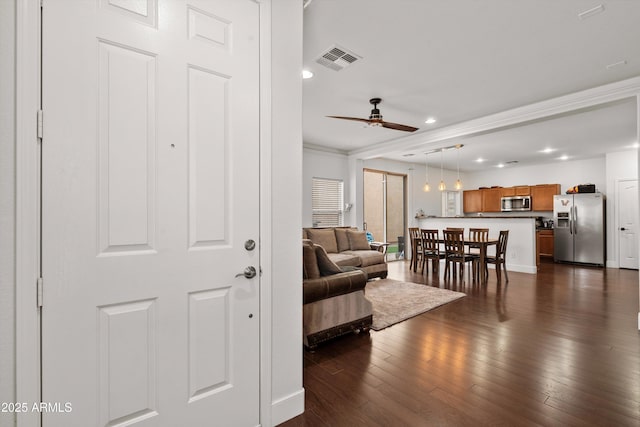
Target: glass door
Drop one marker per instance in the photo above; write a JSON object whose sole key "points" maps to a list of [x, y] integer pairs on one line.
{"points": [[384, 209]]}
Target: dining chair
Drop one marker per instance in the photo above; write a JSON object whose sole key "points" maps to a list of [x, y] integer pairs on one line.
{"points": [[431, 249], [500, 258], [416, 247], [480, 235], [454, 251]]}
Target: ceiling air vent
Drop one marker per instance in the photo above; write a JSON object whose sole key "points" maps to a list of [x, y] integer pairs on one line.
{"points": [[337, 58]]}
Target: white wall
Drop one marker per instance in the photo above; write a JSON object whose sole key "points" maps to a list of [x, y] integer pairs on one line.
{"points": [[566, 173], [286, 211], [7, 207], [322, 164]]}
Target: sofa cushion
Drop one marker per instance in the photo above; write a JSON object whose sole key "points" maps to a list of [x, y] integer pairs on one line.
{"points": [[345, 259], [358, 240], [326, 266], [342, 239], [325, 238], [310, 269], [368, 257]]}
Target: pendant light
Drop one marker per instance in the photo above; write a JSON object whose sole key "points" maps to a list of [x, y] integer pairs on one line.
{"points": [[441, 186], [458, 182], [426, 187]]}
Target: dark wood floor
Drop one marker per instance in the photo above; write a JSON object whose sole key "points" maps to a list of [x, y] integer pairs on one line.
{"points": [[559, 348]]}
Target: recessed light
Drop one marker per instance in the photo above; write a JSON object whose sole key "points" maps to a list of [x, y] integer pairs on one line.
{"points": [[564, 157], [500, 165], [479, 160], [547, 150], [430, 120], [306, 74], [635, 145]]}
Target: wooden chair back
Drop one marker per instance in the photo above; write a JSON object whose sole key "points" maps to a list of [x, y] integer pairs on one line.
{"points": [[430, 243], [453, 242], [479, 234], [501, 249]]}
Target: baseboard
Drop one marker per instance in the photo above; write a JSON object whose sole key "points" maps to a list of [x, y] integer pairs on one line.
{"points": [[639, 321], [613, 264], [288, 407]]}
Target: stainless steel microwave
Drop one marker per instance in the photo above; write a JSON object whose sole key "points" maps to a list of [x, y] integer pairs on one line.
{"points": [[515, 203]]}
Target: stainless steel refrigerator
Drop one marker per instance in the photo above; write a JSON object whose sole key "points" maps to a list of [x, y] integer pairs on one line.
{"points": [[579, 234]]}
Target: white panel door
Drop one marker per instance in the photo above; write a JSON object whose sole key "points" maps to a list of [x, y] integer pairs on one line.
{"points": [[628, 223], [150, 191]]}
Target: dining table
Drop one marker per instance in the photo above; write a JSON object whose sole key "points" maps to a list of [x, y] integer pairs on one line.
{"points": [[483, 245]]}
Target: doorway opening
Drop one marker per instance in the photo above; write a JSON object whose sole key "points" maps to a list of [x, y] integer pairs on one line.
{"points": [[384, 209]]}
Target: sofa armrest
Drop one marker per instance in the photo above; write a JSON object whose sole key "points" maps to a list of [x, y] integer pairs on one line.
{"points": [[379, 246], [330, 286]]}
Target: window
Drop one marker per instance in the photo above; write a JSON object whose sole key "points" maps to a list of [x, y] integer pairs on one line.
{"points": [[327, 202]]}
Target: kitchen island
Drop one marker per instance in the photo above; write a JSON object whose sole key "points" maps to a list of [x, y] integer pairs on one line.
{"points": [[521, 247]]}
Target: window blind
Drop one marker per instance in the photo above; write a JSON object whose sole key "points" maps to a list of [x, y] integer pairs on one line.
{"points": [[327, 201]]}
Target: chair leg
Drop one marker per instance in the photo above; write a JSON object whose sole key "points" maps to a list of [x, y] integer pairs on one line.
{"points": [[506, 276]]}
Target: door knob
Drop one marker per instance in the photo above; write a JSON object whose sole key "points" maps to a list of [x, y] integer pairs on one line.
{"points": [[249, 272], [622, 229], [250, 244]]}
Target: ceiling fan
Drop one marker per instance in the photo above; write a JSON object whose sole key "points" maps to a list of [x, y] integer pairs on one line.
{"points": [[375, 119]]}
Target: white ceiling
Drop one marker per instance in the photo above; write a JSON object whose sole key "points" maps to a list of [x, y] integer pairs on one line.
{"points": [[464, 59]]}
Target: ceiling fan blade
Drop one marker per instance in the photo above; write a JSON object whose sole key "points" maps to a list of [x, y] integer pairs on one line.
{"points": [[351, 118], [398, 126]]}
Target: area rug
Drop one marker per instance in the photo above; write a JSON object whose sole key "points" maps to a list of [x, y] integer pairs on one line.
{"points": [[394, 301]]}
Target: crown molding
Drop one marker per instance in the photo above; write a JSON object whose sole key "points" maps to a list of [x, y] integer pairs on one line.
{"points": [[555, 106], [324, 150]]}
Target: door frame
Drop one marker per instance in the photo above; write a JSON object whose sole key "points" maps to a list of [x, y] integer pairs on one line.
{"points": [[405, 184], [28, 209]]}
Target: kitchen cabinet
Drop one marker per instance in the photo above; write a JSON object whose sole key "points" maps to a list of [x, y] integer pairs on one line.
{"points": [[542, 196], [544, 244], [518, 190], [491, 199], [472, 201], [488, 199], [508, 191]]}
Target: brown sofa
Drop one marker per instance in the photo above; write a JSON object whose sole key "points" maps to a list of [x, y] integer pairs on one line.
{"points": [[348, 247], [333, 298]]}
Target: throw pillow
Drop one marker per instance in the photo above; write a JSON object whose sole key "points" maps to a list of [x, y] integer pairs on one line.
{"points": [[326, 266], [325, 238], [342, 240], [310, 268], [358, 240]]}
